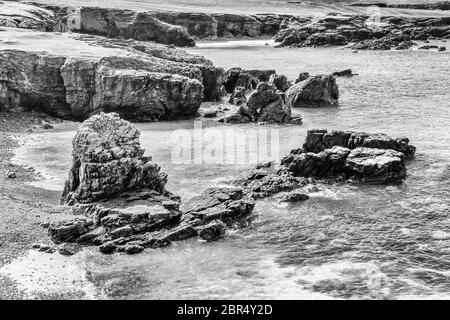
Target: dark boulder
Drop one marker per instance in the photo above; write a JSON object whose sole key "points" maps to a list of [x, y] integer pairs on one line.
{"points": [[316, 91]]}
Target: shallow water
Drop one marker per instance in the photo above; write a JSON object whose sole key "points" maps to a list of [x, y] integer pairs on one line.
{"points": [[345, 242]]}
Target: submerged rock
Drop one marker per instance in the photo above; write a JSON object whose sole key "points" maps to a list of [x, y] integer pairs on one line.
{"points": [[316, 91]]}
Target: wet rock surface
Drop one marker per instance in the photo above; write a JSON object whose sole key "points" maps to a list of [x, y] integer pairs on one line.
{"points": [[264, 105], [390, 33], [119, 201], [371, 158], [143, 82], [315, 91], [329, 157]]}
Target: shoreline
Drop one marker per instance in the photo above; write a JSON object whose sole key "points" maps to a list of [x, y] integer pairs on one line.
{"points": [[24, 207]]}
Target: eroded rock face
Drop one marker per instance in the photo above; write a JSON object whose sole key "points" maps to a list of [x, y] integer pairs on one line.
{"points": [[329, 157], [316, 91], [107, 160], [319, 140], [128, 24], [144, 82]]}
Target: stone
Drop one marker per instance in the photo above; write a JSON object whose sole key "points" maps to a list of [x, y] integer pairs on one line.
{"points": [[108, 247], [69, 249], [131, 248], [370, 158], [346, 72], [69, 230], [238, 96], [302, 77], [376, 165], [295, 196], [316, 91], [212, 230], [442, 49], [11, 175], [108, 159], [279, 81]]}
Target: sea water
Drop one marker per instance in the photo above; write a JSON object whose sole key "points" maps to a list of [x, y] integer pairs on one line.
{"points": [[347, 241]]}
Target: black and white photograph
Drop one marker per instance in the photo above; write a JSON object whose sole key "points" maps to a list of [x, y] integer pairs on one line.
{"points": [[224, 150]]}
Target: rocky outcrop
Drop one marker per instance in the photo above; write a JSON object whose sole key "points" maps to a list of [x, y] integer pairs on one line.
{"points": [[329, 157], [280, 82], [319, 140], [316, 91], [143, 81], [264, 105], [107, 160], [74, 88], [374, 158], [119, 200], [238, 96], [128, 24], [389, 33]]}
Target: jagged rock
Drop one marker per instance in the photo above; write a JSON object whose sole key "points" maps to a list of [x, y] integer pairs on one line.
{"points": [[319, 140], [427, 47], [315, 91], [302, 77], [295, 196], [275, 112], [225, 204], [280, 82], [108, 247], [212, 230], [69, 249], [264, 94], [236, 118], [116, 23], [140, 81], [108, 159], [326, 38], [69, 230], [374, 158], [346, 72], [376, 165], [236, 77], [263, 183], [405, 45], [238, 96], [11, 175], [261, 75]]}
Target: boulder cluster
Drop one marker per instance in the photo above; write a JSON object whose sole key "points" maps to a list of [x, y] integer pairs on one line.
{"points": [[272, 96], [119, 200], [333, 156]]}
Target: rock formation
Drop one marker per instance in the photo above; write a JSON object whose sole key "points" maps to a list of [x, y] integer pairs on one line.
{"points": [[107, 160], [391, 32], [316, 91], [143, 82], [328, 157], [264, 105], [119, 200]]}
